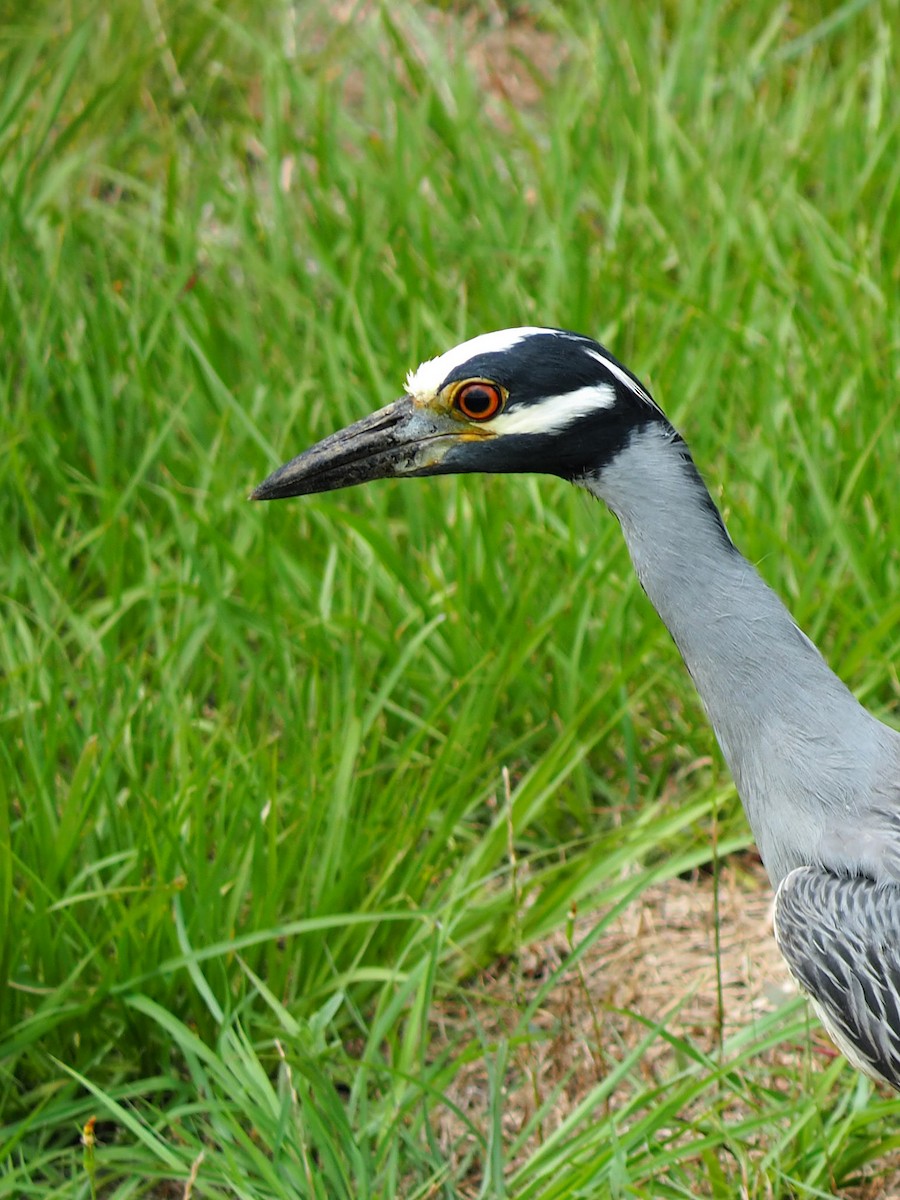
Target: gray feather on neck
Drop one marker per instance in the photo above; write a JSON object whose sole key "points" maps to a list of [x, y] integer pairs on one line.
{"points": [[813, 768]]}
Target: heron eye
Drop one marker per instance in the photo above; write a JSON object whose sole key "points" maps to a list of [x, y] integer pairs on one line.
{"points": [[479, 401]]}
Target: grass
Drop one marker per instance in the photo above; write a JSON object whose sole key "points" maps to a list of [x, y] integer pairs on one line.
{"points": [[256, 836]]}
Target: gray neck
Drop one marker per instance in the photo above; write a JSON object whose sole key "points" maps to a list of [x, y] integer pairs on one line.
{"points": [[805, 755]]}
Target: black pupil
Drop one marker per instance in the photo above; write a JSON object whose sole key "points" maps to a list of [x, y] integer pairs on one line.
{"points": [[478, 400]]}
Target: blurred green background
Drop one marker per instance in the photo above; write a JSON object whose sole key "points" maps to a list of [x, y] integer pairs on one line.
{"points": [[256, 835]]}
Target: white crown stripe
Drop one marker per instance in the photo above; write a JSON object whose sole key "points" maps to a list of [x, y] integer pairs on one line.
{"points": [[554, 413], [426, 379]]}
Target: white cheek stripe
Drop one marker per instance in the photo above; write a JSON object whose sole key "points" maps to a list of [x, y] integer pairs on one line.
{"points": [[555, 412], [615, 369], [425, 380]]}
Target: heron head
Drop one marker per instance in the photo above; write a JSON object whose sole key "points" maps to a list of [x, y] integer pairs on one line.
{"points": [[518, 400]]}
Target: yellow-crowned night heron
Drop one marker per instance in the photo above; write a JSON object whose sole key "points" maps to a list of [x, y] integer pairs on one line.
{"points": [[818, 775]]}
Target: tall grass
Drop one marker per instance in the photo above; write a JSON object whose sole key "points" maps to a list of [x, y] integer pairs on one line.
{"points": [[256, 832]]}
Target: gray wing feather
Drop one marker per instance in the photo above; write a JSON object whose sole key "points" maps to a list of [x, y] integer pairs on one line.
{"points": [[840, 935]]}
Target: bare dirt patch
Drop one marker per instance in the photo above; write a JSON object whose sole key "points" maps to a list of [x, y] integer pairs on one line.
{"points": [[661, 950]]}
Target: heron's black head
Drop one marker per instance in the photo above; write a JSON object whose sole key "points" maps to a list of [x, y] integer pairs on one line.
{"points": [[519, 400]]}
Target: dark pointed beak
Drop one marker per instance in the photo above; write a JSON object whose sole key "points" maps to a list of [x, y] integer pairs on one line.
{"points": [[402, 439]]}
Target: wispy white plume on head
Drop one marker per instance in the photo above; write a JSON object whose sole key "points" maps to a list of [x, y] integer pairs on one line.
{"points": [[622, 376]]}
